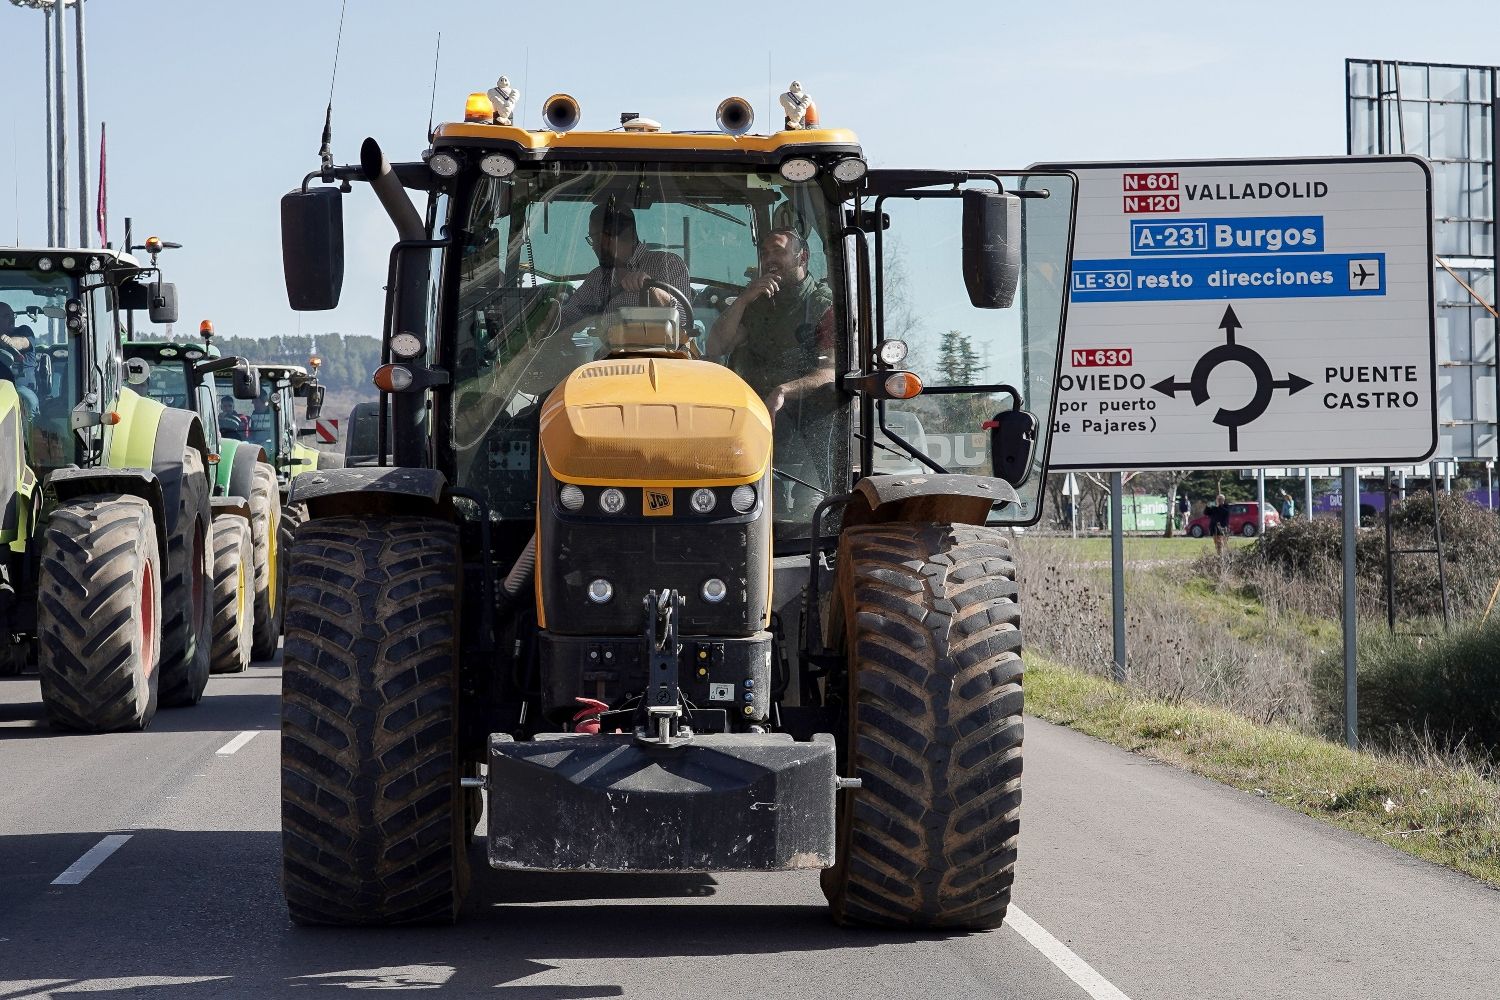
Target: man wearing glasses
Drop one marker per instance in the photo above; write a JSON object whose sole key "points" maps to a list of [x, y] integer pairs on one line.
{"points": [[624, 267]]}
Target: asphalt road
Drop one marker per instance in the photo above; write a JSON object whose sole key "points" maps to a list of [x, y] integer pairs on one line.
{"points": [[1136, 881]]}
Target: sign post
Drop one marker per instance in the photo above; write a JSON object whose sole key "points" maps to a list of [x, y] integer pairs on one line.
{"points": [[1351, 685], [1117, 569]]}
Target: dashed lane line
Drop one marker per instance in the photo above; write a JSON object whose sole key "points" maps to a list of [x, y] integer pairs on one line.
{"points": [[92, 858], [238, 742], [1060, 955]]}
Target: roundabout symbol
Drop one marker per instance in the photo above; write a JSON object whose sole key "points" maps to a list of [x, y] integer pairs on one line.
{"points": [[1265, 383]]}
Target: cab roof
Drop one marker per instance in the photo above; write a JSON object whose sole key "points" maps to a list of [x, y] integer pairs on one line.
{"points": [[626, 144], [155, 346]]}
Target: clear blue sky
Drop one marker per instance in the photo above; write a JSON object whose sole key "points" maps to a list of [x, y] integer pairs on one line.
{"points": [[215, 109]]}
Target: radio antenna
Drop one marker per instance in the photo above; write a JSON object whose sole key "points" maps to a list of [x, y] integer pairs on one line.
{"points": [[325, 152], [436, 57]]}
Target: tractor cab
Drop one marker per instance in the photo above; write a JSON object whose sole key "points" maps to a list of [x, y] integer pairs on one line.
{"points": [[194, 375], [268, 416], [633, 388]]}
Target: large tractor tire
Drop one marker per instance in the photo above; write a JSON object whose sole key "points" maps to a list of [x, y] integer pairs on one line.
{"points": [[99, 614], [234, 607], [265, 531], [934, 702], [372, 808], [187, 589]]}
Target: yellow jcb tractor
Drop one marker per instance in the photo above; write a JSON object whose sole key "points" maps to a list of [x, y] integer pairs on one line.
{"points": [[626, 573]]}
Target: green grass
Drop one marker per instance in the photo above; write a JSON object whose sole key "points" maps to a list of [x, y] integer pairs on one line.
{"points": [[1183, 548], [1441, 809]]}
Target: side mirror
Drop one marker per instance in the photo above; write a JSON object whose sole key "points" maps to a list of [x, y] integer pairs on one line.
{"points": [[246, 381], [314, 401], [1012, 440], [137, 371], [163, 302], [312, 247], [992, 248]]}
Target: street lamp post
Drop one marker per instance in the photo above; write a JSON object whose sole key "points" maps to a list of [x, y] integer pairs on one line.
{"points": [[84, 227], [45, 6]]}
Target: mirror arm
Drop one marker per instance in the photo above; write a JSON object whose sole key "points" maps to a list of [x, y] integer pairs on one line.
{"points": [[215, 366], [911, 449]]}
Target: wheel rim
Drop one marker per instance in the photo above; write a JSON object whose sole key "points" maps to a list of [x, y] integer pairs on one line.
{"points": [[146, 613]]}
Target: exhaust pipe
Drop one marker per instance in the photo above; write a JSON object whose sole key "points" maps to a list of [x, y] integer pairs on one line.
{"points": [[735, 116], [393, 197]]}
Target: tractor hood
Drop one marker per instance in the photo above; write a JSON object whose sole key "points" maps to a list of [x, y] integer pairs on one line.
{"points": [[655, 421]]}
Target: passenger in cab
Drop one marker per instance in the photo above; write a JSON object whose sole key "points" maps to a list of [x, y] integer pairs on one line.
{"points": [[778, 334], [625, 265]]}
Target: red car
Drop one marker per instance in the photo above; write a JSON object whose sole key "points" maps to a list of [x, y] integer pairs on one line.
{"points": [[1244, 519]]}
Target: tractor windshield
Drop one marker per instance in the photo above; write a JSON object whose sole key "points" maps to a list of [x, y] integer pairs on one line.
{"points": [[252, 420], [167, 382], [35, 356], [547, 256]]}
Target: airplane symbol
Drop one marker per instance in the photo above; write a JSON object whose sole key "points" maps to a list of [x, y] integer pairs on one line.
{"points": [[1364, 275]]}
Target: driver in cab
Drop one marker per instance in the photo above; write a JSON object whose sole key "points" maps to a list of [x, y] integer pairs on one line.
{"points": [[625, 265]]}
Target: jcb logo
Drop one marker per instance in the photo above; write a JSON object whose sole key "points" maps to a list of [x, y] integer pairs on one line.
{"points": [[658, 503]]}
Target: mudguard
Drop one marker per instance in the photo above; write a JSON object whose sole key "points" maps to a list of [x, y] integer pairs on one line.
{"points": [[230, 507], [149, 435], [305, 454], [952, 498], [68, 484], [237, 467], [372, 490]]}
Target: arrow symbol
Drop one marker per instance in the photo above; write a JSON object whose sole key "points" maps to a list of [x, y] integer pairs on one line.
{"points": [[1229, 324], [1170, 386], [1293, 383]]}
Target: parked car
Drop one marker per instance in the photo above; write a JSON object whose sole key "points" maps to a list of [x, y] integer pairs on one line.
{"points": [[1244, 519]]}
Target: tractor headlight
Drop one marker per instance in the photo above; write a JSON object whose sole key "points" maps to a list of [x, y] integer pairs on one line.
{"points": [[703, 500], [612, 501], [443, 164], [44, 263], [497, 165], [69, 263], [571, 497], [600, 591], [850, 170], [714, 590], [742, 499], [798, 169]]}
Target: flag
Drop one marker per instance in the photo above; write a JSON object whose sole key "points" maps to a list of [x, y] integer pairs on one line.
{"points": [[102, 211]]}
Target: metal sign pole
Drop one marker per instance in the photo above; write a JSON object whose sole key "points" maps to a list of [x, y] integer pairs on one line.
{"points": [[1260, 501], [52, 239], [1351, 687], [1117, 568], [1307, 493]]}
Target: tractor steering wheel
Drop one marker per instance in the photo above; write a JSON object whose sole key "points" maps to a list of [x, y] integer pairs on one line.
{"points": [[679, 296]]}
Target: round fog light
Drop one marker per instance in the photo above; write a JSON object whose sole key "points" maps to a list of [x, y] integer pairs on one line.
{"points": [[714, 590], [703, 500], [443, 164], [497, 165], [600, 591], [798, 169], [612, 501], [850, 170], [742, 499], [44, 263], [571, 497]]}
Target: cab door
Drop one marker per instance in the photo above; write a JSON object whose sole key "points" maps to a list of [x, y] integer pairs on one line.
{"points": [[980, 347]]}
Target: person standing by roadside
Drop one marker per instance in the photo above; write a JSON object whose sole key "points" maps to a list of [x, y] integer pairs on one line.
{"points": [[1184, 511], [1218, 523]]}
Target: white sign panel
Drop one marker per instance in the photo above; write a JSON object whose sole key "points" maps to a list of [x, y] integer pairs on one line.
{"points": [[1240, 313]]}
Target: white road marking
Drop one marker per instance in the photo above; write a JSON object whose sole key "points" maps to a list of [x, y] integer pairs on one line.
{"points": [[1060, 955], [237, 742], [91, 859]]}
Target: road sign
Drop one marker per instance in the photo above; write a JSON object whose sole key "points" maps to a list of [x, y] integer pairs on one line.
{"points": [[1225, 314], [328, 431]]}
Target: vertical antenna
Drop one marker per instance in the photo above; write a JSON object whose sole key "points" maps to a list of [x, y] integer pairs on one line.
{"points": [[770, 88], [525, 83], [325, 152], [436, 56]]}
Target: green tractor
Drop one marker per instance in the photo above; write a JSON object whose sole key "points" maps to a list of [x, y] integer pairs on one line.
{"points": [[182, 374], [107, 561]]}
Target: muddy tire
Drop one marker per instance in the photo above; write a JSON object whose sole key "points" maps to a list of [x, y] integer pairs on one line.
{"points": [[372, 809], [934, 703], [234, 609], [99, 614], [187, 589], [265, 531]]}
